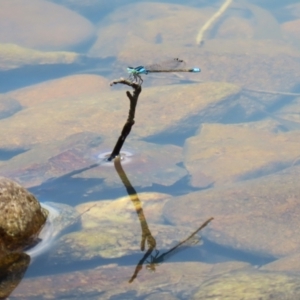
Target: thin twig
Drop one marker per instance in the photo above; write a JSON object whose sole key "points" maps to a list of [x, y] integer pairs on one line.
{"points": [[133, 98], [208, 24]]}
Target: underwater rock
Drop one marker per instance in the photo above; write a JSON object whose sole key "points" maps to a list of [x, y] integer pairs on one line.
{"points": [[144, 163], [123, 209], [111, 281], [292, 32], [22, 217], [261, 64], [232, 153], [52, 160], [291, 114], [264, 61], [8, 106], [91, 9], [69, 30], [79, 156], [174, 26], [68, 87], [289, 263], [165, 111], [259, 216], [112, 240], [245, 21], [250, 285], [13, 56]]}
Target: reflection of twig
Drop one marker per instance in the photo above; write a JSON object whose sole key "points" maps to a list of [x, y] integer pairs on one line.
{"points": [[159, 259], [207, 25], [146, 234], [139, 266], [133, 98], [272, 92]]}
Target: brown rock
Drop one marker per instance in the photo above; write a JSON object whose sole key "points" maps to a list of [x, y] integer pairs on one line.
{"points": [[144, 163], [13, 57], [52, 160], [173, 25], [259, 23], [230, 153], [265, 62], [291, 114], [286, 264], [68, 31], [92, 8], [8, 106], [22, 217], [162, 110], [122, 209], [79, 154], [70, 87], [250, 285], [257, 216], [116, 240], [112, 280], [291, 30]]}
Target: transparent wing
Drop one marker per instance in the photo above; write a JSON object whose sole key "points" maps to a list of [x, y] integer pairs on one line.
{"points": [[170, 64]]}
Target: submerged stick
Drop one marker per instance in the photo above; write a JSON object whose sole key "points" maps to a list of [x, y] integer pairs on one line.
{"points": [[133, 98], [208, 24]]}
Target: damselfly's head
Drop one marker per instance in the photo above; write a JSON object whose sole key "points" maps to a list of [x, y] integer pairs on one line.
{"points": [[135, 74], [137, 70]]}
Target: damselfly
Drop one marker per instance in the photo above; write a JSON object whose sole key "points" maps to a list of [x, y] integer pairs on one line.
{"points": [[173, 65]]}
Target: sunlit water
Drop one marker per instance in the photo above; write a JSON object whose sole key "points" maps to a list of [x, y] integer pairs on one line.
{"points": [[74, 191]]}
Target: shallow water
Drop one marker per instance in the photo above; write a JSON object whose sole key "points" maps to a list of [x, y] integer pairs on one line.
{"points": [[232, 131]]}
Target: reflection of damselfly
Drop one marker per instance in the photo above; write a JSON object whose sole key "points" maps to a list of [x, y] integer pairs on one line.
{"points": [[173, 65]]}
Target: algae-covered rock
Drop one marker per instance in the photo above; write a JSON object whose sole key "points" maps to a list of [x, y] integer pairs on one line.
{"points": [[251, 285], [22, 217], [123, 209], [113, 240]]}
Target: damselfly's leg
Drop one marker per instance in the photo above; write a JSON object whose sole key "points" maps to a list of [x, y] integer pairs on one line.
{"points": [[140, 79]]}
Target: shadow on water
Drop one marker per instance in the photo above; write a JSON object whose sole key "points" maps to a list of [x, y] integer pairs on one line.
{"points": [[8, 154], [34, 74], [74, 191]]}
